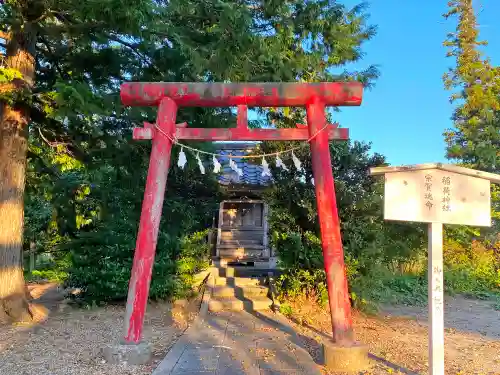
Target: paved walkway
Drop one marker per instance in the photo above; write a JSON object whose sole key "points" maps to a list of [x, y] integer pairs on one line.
{"points": [[238, 343]]}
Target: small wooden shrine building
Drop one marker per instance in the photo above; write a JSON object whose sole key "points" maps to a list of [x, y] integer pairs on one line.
{"points": [[242, 230]]}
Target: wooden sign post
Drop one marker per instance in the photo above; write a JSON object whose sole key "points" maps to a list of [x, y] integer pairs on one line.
{"points": [[437, 194]]}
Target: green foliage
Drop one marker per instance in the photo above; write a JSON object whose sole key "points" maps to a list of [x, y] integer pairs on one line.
{"points": [[405, 289], [84, 179], [103, 248], [385, 261], [8, 78], [286, 309], [54, 275], [296, 282], [50, 267], [9, 74], [193, 257], [102, 270], [472, 269], [372, 247], [474, 140], [377, 284], [296, 250]]}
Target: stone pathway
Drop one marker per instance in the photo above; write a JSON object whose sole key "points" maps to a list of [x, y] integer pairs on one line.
{"points": [[238, 343]]}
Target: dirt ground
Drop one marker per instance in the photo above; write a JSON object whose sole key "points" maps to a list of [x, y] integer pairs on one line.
{"points": [[397, 338], [70, 341]]}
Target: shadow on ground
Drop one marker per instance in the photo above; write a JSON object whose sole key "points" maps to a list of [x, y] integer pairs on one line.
{"points": [[239, 343], [314, 347]]}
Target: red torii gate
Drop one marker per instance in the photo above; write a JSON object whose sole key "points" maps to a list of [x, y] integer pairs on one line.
{"points": [[168, 97]]}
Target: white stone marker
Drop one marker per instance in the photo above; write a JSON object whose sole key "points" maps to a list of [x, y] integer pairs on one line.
{"points": [[437, 194]]}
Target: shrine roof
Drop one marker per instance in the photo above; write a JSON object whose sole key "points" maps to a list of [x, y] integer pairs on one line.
{"points": [[252, 170], [495, 178]]}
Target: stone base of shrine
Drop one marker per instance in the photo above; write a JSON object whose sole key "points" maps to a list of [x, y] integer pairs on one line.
{"points": [[130, 354], [351, 358]]}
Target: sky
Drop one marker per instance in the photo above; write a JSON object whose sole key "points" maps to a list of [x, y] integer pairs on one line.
{"points": [[405, 114]]}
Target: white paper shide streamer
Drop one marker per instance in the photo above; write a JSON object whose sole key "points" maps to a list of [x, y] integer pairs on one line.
{"points": [[265, 168], [217, 165], [280, 164], [296, 162], [234, 167], [181, 162], [200, 164]]}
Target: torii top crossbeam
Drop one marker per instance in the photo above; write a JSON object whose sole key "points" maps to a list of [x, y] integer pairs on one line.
{"points": [[249, 94], [242, 95]]}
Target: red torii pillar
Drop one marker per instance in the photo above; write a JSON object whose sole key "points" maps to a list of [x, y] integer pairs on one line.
{"points": [[168, 97]]}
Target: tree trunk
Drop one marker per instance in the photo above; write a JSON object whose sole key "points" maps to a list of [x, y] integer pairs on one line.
{"points": [[14, 118]]}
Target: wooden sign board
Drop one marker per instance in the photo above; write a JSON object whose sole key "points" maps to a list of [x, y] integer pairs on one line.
{"points": [[437, 196]]}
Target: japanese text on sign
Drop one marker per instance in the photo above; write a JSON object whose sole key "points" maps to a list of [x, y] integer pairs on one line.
{"points": [[446, 180], [437, 196], [437, 274], [428, 191]]}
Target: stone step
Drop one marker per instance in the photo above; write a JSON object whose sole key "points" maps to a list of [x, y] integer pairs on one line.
{"points": [[235, 253], [242, 243], [236, 245], [225, 272], [248, 291], [234, 304], [236, 281], [256, 268]]}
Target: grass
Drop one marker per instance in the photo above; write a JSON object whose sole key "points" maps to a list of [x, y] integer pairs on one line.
{"points": [[393, 287], [46, 275]]}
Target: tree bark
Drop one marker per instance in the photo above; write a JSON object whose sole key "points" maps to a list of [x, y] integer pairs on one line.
{"points": [[14, 118]]}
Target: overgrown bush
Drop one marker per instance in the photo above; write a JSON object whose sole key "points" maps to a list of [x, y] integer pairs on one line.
{"points": [[102, 249], [472, 269], [303, 275], [54, 275], [301, 258], [50, 267], [295, 282], [102, 270], [371, 246], [298, 250], [193, 257]]}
